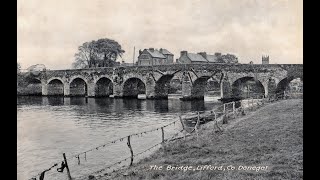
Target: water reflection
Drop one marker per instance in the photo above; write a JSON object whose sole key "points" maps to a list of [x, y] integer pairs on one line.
{"points": [[107, 105], [29, 100], [55, 101]]}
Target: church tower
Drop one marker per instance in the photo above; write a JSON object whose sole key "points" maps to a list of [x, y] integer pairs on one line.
{"points": [[265, 59]]}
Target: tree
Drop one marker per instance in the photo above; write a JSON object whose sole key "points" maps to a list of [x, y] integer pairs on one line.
{"points": [[226, 58], [86, 54], [230, 58], [100, 53]]}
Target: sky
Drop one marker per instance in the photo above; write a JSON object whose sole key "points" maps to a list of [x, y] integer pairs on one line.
{"points": [[50, 31]]}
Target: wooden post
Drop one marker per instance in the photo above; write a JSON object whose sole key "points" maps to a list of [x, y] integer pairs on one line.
{"points": [[68, 171], [224, 108], [215, 115], [181, 122], [198, 116], [162, 134], [163, 144], [251, 103], [197, 124], [78, 160], [183, 128], [129, 145], [234, 108]]}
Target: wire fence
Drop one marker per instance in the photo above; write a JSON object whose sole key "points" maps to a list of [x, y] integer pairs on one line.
{"points": [[190, 123]]}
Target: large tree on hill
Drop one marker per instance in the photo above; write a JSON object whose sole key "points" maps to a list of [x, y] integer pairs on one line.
{"points": [[99, 53]]}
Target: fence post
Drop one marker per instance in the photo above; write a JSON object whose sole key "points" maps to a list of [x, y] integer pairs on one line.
{"points": [[181, 122], [66, 163], [215, 115], [197, 124], [252, 103], [129, 145], [234, 109], [162, 134], [224, 108]]}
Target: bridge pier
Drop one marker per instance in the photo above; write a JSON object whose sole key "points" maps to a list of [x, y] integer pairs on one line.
{"points": [[186, 88], [150, 90], [44, 88], [66, 89], [117, 90], [266, 88], [91, 89]]}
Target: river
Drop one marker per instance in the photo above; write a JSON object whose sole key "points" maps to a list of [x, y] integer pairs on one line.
{"points": [[47, 127]]}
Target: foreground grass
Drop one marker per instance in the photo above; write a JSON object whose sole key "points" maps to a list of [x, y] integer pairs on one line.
{"points": [[270, 136]]}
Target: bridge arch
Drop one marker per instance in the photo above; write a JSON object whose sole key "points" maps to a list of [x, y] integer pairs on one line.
{"points": [[103, 76], [284, 84], [162, 86], [103, 87], [199, 86], [57, 78], [246, 87], [78, 86], [55, 87], [133, 86], [139, 76]]}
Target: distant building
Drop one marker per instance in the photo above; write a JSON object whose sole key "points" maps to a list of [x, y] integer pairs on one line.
{"points": [[265, 59], [168, 55], [189, 58], [151, 56], [203, 57]]}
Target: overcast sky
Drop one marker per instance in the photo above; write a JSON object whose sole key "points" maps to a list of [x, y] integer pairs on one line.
{"points": [[50, 31]]}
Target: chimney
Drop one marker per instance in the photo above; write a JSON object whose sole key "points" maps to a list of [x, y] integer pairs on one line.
{"points": [[151, 49], [203, 54], [183, 53], [160, 50]]}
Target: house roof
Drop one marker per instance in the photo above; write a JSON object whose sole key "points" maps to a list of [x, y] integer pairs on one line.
{"points": [[165, 51], [156, 54], [196, 57], [212, 58]]}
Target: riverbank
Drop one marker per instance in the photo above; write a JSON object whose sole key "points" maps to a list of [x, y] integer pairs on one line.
{"points": [[270, 138]]}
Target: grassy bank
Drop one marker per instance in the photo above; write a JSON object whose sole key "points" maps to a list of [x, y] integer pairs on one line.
{"points": [[270, 137]]}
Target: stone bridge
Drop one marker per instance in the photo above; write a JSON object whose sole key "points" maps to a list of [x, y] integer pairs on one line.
{"points": [[154, 80]]}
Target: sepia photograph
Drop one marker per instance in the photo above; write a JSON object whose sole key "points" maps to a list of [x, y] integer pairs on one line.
{"points": [[159, 89]]}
